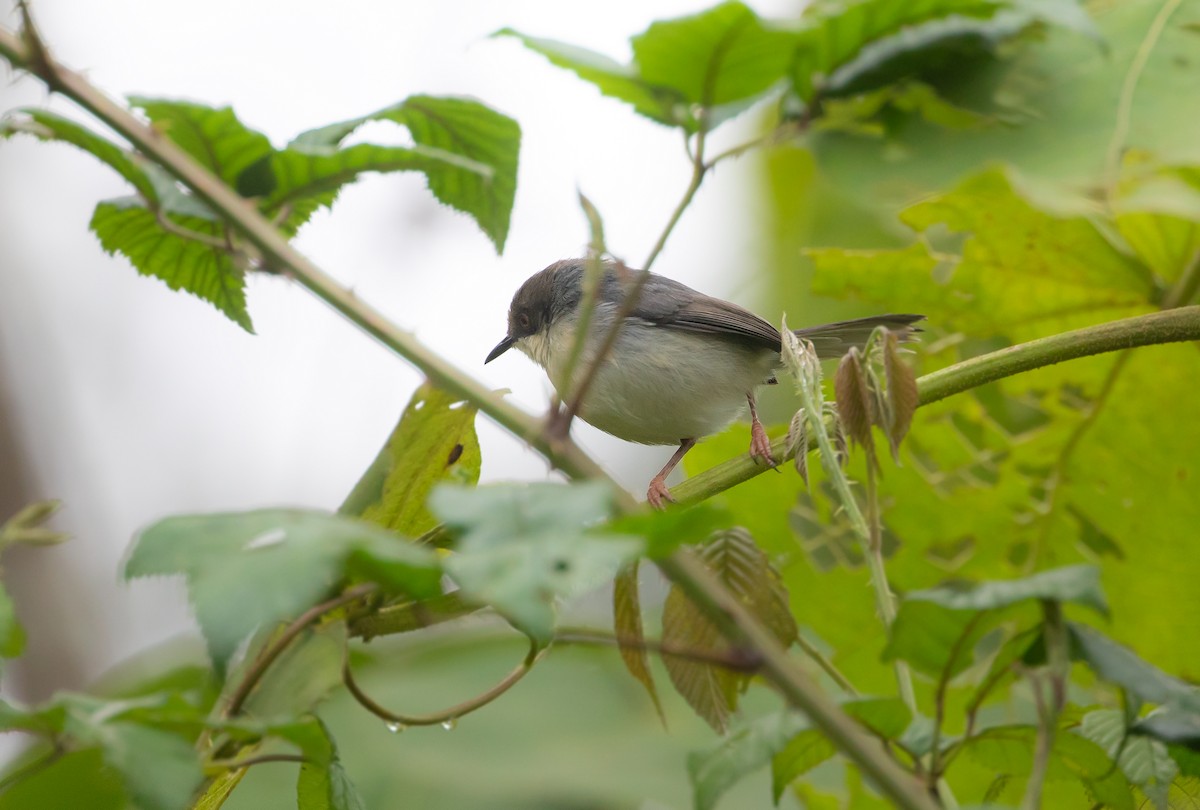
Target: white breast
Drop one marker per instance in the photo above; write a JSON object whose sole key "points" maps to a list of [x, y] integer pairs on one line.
{"points": [[658, 385]]}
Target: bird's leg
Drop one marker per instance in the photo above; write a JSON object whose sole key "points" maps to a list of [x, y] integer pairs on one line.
{"points": [[760, 445], [658, 491]]}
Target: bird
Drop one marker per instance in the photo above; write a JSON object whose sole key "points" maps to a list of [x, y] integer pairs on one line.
{"points": [[684, 365]]}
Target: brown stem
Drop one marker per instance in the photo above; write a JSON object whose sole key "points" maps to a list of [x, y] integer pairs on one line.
{"points": [[736, 660], [449, 715]]}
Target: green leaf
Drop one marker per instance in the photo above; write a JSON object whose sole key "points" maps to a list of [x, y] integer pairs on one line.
{"points": [[12, 636], [47, 126], [303, 675], [1121, 666], [886, 717], [1022, 273], [1172, 723], [836, 34], [248, 569], [805, 751], [936, 629], [323, 783], [743, 568], [609, 76], [719, 56], [713, 64], [434, 442], [212, 136], [1144, 761], [745, 750], [627, 626], [1077, 584], [467, 151], [1010, 750], [523, 546], [160, 770], [26, 526], [666, 530], [206, 271]]}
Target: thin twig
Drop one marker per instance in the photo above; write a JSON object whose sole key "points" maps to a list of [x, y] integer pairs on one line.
{"points": [[634, 293], [234, 764], [735, 660], [449, 715]]}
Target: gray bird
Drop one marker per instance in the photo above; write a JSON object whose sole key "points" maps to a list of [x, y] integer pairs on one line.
{"points": [[684, 364]]}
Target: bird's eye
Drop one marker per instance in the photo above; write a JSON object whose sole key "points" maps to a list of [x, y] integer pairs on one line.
{"points": [[523, 320]]}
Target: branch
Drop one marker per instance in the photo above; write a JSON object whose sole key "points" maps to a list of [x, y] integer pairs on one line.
{"points": [[277, 252], [1171, 326], [738, 625]]}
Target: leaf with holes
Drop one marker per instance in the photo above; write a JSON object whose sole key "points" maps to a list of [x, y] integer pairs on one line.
{"points": [[434, 442], [247, 569], [522, 547]]}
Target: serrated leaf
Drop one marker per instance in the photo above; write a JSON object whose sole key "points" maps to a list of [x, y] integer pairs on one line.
{"points": [[524, 546], [471, 130], [856, 405], [212, 136], [722, 55], [742, 567], [467, 151], [610, 77], [252, 568], [1077, 584], [48, 126], [797, 443], [1145, 762], [127, 227], [433, 442], [627, 626], [745, 750], [836, 34], [902, 393], [160, 770], [1022, 273], [1120, 665]]}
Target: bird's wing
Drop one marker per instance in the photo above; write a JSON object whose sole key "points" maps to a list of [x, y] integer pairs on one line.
{"points": [[669, 304]]}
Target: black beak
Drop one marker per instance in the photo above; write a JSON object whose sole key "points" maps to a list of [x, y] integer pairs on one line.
{"points": [[501, 348]]}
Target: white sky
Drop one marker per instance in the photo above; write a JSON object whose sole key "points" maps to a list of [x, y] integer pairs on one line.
{"points": [[132, 402]]}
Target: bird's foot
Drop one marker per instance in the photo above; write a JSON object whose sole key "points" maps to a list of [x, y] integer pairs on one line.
{"points": [[760, 445], [658, 493]]}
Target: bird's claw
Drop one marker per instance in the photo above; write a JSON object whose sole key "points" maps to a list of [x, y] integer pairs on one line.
{"points": [[760, 445], [658, 492]]}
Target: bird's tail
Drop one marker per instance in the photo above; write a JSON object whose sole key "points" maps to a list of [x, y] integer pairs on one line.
{"points": [[835, 339]]}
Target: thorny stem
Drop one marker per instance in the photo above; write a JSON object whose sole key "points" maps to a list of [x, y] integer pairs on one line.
{"points": [[449, 715], [1182, 324]]}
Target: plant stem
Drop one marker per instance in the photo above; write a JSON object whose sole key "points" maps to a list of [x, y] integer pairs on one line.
{"points": [[277, 252], [449, 715], [736, 660], [739, 626]]}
